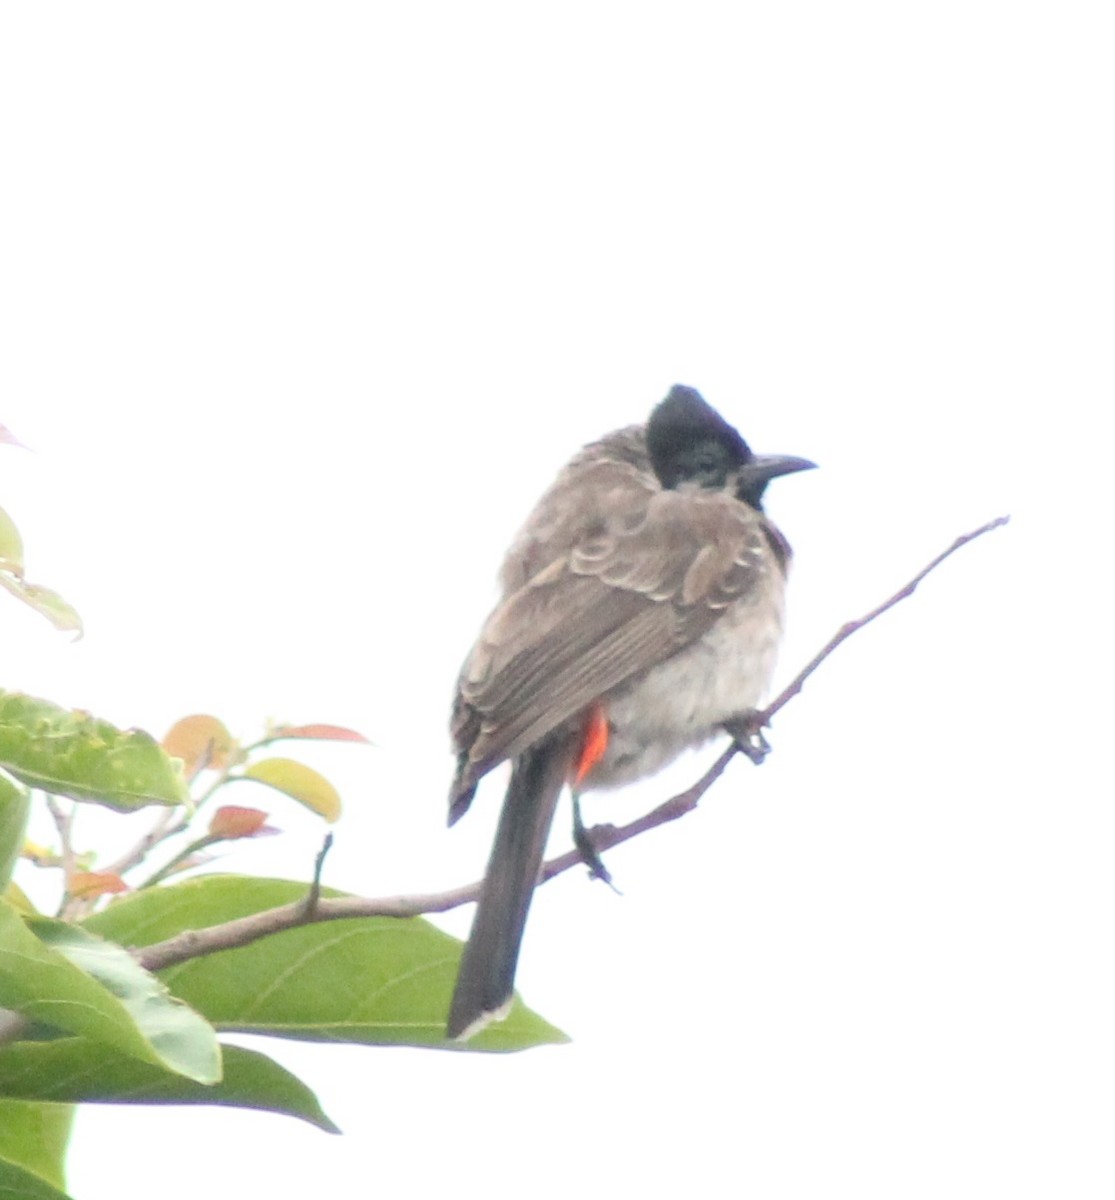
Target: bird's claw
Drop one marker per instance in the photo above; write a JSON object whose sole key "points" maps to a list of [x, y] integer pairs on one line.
{"points": [[747, 731], [590, 856]]}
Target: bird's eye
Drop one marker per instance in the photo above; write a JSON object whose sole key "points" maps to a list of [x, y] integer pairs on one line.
{"points": [[705, 464]]}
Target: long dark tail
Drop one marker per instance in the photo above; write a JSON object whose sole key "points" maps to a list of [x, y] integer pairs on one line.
{"points": [[487, 975]]}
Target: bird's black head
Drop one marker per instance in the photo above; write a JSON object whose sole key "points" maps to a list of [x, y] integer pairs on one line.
{"points": [[690, 442]]}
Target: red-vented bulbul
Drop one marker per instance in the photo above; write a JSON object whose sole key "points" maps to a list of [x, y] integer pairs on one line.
{"points": [[641, 609]]}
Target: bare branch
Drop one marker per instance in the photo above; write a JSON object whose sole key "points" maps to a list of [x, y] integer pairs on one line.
{"points": [[196, 943], [193, 943], [603, 837], [845, 631]]}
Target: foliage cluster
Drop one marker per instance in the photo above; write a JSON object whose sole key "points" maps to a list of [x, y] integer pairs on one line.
{"points": [[83, 1021]]}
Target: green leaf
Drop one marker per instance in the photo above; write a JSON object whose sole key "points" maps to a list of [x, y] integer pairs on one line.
{"points": [[375, 980], [77, 1071], [49, 604], [77, 755], [11, 545], [46, 602], [133, 1014], [19, 900], [181, 1040], [18, 1184], [15, 804], [33, 1140]]}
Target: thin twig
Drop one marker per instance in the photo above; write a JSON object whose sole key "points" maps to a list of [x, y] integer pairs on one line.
{"points": [[164, 827], [64, 823], [845, 631], [232, 934], [175, 863], [313, 896]]}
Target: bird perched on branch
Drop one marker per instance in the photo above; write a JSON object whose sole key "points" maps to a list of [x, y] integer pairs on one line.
{"points": [[641, 612]]}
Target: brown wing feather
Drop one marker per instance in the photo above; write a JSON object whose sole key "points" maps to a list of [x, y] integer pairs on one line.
{"points": [[616, 580]]}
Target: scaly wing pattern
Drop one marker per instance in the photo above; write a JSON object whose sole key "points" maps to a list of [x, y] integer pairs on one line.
{"points": [[636, 575]]}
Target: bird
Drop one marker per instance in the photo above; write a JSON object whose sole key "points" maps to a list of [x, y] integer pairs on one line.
{"points": [[640, 611]]}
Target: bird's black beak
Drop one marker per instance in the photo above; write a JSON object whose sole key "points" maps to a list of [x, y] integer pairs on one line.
{"points": [[756, 473], [764, 467]]}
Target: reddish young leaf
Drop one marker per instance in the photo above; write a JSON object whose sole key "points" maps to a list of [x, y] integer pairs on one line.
{"points": [[87, 884], [232, 821], [327, 733], [200, 741]]}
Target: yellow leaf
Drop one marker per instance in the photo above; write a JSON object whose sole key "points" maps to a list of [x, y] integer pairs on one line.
{"points": [[300, 782], [41, 856]]}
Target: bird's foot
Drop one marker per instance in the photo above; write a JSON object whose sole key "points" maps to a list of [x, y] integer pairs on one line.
{"points": [[747, 730], [582, 839]]}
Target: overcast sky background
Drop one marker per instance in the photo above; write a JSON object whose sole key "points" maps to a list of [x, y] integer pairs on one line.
{"points": [[303, 305]]}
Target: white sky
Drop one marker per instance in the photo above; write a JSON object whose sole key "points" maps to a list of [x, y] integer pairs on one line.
{"points": [[303, 305]]}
